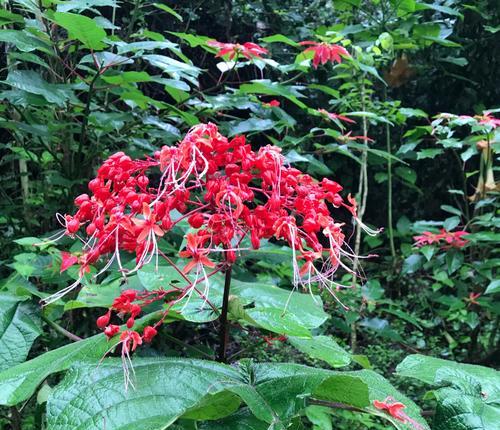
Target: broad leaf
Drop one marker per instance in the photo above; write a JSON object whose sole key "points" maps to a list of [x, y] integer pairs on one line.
{"points": [[82, 28], [19, 327], [323, 348]]}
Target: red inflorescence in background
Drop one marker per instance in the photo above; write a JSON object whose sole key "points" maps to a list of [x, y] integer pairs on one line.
{"points": [[444, 239], [232, 197]]}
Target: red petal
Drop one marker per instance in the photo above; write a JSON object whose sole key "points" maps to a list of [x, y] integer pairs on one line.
{"points": [[68, 260]]}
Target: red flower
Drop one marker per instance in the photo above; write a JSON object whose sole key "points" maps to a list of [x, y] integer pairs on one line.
{"points": [[473, 298], [446, 239], [111, 330], [395, 410], [130, 340], [68, 260], [148, 224], [195, 250], [487, 119], [272, 103], [249, 50], [324, 52], [224, 189], [334, 116], [149, 333]]}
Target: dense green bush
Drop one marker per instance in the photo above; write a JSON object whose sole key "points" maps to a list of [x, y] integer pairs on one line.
{"points": [[82, 80]]}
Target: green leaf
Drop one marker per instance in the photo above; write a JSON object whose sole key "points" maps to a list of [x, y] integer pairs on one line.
{"points": [[334, 389], [169, 10], [19, 327], [319, 416], [265, 86], [169, 388], [18, 383], [164, 389], [493, 287], [23, 41], [426, 369], [249, 125], [452, 210], [412, 264], [280, 38], [428, 153], [323, 348], [439, 8], [301, 311], [31, 82], [240, 420], [454, 260], [82, 28], [278, 321]]}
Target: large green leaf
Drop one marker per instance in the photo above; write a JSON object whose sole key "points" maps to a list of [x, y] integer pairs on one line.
{"points": [[19, 327], [168, 388], [23, 41], [82, 28], [425, 369], [18, 383], [279, 310], [31, 82], [462, 403], [323, 348], [470, 398], [165, 389]]}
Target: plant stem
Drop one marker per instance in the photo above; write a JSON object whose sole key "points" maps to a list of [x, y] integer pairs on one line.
{"points": [[85, 121], [390, 229], [61, 330], [224, 332]]}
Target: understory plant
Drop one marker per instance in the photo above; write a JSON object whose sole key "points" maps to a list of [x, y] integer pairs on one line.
{"points": [[208, 216]]}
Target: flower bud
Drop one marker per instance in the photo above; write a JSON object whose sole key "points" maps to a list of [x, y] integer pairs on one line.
{"points": [[103, 320], [130, 322], [196, 220]]}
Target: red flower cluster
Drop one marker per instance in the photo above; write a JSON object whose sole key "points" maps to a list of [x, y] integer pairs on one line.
{"points": [[325, 52], [248, 49], [232, 197], [395, 410], [445, 239]]}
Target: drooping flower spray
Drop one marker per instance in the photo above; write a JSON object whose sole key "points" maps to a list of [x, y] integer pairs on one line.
{"points": [[232, 197]]}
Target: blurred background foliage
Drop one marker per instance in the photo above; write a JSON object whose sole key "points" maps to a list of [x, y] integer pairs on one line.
{"points": [[82, 79]]}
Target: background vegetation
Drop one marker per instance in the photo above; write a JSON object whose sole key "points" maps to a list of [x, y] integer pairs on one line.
{"points": [[83, 79]]}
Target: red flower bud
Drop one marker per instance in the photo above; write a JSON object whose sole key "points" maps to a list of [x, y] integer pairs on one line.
{"points": [[103, 320], [196, 220], [72, 226], [130, 322], [254, 238]]}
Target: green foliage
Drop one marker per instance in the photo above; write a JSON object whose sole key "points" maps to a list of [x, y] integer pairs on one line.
{"points": [[83, 79]]}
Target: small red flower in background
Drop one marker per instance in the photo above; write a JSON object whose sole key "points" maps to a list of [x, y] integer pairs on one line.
{"points": [[248, 49], [473, 298], [325, 52], [395, 410], [446, 239], [272, 103], [487, 119], [334, 116]]}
